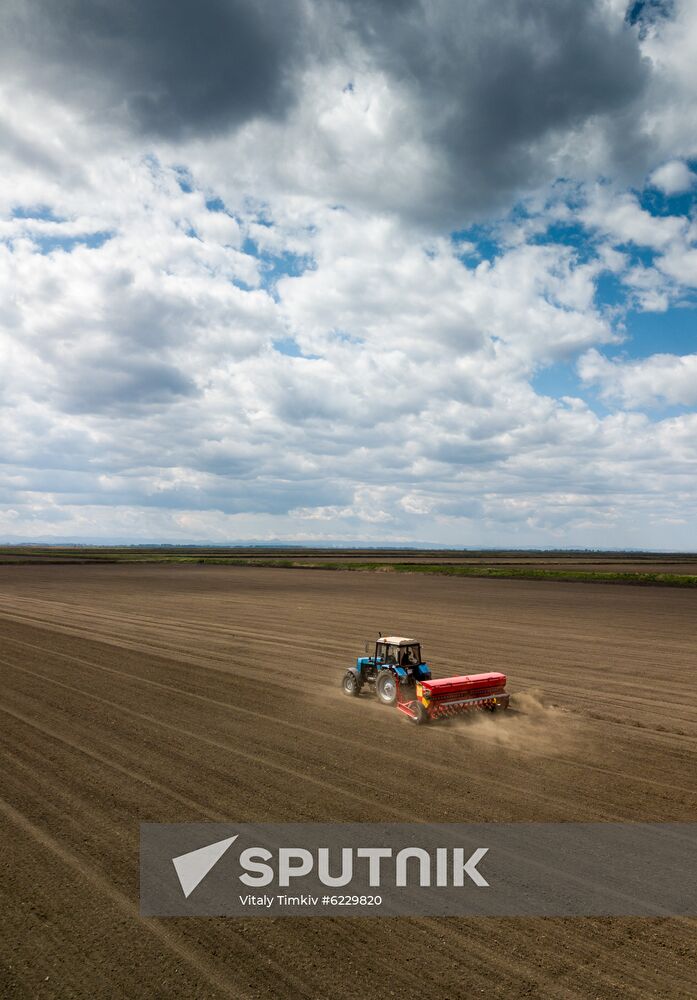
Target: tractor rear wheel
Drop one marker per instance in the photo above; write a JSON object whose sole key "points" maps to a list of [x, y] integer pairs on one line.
{"points": [[350, 685], [386, 687]]}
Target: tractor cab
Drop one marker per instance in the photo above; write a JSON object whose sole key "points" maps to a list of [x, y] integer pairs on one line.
{"points": [[394, 651], [400, 656]]}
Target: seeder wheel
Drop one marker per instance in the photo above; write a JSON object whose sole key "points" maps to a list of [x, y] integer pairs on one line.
{"points": [[421, 716]]}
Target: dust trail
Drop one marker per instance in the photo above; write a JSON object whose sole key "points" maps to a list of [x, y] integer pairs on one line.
{"points": [[530, 723]]}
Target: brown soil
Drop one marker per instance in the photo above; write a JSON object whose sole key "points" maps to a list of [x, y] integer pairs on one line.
{"points": [[182, 693]]}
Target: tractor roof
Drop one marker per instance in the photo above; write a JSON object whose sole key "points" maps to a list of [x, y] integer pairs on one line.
{"points": [[395, 640]]}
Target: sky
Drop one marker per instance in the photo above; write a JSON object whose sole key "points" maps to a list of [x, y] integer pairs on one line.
{"points": [[391, 272]]}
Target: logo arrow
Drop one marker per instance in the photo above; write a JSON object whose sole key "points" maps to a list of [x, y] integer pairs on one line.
{"points": [[191, 868]]}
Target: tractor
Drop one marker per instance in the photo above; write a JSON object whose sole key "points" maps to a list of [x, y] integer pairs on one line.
{"points": [[398, 676]]}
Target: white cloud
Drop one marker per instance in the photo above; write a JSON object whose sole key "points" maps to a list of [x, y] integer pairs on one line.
{"points": [[377, 283], [143, 396], [673, 177], [670, 113], [680, 264], [659, 379], [144, 369], [619, 216]]}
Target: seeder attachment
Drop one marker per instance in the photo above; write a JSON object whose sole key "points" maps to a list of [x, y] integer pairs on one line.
{"points": [[437, 699]]}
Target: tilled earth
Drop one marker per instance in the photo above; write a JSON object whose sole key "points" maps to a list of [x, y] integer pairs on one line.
{"points": [[185, 693]]}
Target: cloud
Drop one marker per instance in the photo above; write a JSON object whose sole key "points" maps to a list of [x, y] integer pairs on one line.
{"points": [[619, 216], [670, 111], [673, 177], [375, 284], [484, 101], [163, 67], [500, 87], [145, 378], [657, 380], [234, 308]]}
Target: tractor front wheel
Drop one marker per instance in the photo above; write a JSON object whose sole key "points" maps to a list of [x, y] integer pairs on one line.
{"points": [[386, 687], [350, 685]]}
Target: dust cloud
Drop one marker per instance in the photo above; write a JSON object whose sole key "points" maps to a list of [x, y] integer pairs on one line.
{"points": [[531, 723]]}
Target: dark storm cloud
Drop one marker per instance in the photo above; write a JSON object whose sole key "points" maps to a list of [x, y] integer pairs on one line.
{"points": [[172, 66], [493, 81], [494, 88]]}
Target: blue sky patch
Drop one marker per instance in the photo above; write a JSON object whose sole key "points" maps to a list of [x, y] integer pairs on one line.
{"points": [[568, 234], [48, 244], [670, 332], [289, 346], [275, 266], [215, 205], [486, 247], [558, 380], [42, 212], [184, 179], [661, 205]]}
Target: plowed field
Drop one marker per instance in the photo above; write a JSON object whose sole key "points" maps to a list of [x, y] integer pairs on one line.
{"points": [[182, 693]]}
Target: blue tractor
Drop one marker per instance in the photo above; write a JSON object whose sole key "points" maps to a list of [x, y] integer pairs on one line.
{"points": [[399, 677], [395, 664]]}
